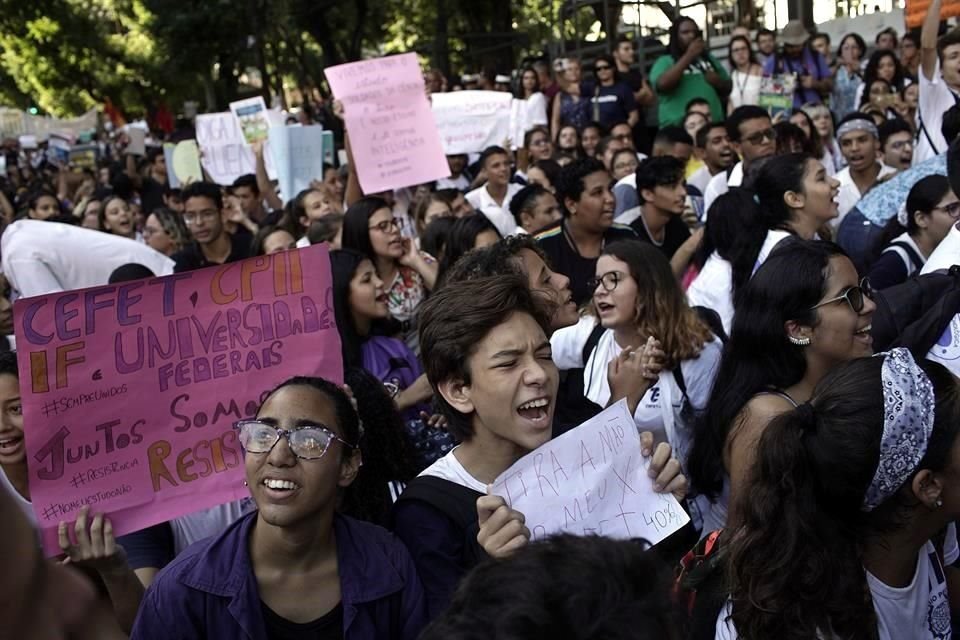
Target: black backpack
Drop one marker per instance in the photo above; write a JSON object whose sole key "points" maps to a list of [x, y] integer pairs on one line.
{"points": [[915, 313]]}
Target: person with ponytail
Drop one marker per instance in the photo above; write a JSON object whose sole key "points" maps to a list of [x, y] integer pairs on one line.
{"points": [[912, 235], [791, 195], [801, 315], [849, 531]]}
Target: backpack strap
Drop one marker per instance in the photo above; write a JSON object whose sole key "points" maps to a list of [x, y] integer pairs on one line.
{"points": [[908, 254], [592, 341], [457, 502]]}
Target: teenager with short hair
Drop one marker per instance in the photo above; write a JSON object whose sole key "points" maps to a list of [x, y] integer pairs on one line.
{"points": [[493, 197], [206, 220]]}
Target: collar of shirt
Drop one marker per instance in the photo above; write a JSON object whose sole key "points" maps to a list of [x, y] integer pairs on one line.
{"points": [[224, 569]]}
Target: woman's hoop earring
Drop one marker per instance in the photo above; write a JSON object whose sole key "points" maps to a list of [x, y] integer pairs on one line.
{"points": [[800, 342]]}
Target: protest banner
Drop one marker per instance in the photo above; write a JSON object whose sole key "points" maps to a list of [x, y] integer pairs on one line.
{"points": [[251, 117], [130, 390], [226, 155], [297, 157], [776, 93], [393, 136], [85, 156], [471, 121], [591, 480], [186, 162]]}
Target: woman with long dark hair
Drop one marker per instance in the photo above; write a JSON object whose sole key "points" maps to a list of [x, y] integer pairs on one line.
{"points": [[611, 100], [802, 314], [534, 103], [472, 232], [912, 235], [849, 530], [370, 228], [791, 194], [848, 75], [882, 65]]}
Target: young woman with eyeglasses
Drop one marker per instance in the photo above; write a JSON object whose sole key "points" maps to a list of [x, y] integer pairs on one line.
{"points": [[637, 302], [912, 235], [294, 567], [745, 73], [370, 227], [801, 315], [849, 530]]}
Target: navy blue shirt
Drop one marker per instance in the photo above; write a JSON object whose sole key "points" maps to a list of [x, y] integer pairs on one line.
{"points": [[210, 590]]}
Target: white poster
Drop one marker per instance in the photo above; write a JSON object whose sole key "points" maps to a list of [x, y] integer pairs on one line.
{"points": [[471, 121]]}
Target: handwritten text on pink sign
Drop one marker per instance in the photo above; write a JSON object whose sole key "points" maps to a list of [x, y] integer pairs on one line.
{"points": [[130, 391]]}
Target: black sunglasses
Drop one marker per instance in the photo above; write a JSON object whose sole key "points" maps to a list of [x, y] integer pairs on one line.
{"points": [[855, 297]]}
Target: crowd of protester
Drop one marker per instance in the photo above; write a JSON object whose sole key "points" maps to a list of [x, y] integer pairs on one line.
{"points": [[768, 291]]}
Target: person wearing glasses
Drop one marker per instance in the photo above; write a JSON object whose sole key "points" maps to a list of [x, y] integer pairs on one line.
{"points": [[752, 137], [294, 567], [859, 141], [204, 214], [801, 315], [896, 144], [370, 227], [611, 99], [745, 73], [911, 236], [637, 301]]}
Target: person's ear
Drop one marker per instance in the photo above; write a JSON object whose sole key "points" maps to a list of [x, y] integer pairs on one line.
{"points": [[927, 487], [799, 334], [571, 205], [305, 222], [794, 200], [736, 148], [648, 195], [922, 219], [457, 395], [350, 467]]}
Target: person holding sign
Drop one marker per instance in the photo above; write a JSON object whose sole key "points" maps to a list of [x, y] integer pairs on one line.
{"points": [[294, 567], [855, 495], [814, 80], [371, 228], [489, 362]]}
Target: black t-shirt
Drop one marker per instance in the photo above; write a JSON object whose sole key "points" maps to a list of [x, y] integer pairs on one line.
{"points": [[633, 78], [564, 258], [327, 627], [192, 258], [676, 234]]}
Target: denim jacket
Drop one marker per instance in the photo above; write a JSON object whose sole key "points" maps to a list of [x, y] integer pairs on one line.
{"points": [[210, 590]]}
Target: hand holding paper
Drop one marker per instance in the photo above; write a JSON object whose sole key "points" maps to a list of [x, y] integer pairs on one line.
{"points": [[594, 480], [502, 529]]}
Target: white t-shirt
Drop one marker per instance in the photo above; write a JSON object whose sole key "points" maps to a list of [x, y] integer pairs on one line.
{"points": [[700, 179], [946, 350], [713, 286], [449, 468], [849, 194], [919, 611], [720, 184], [935, 99], [659, 409], [45, 257], [460, 183], [500, 216]]}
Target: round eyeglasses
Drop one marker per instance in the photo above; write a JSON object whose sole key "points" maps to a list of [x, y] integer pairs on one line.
{"points": [[307, 442]]}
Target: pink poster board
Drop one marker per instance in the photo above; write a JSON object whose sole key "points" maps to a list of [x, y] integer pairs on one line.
{"points": [[393, 134], [130, 391]]}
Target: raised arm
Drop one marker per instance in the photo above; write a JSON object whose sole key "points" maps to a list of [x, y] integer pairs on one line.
{"points": [[928, 41], [670, 79]]}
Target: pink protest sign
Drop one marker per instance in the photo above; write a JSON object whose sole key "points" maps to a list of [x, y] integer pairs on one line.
{"points": [[393, 135], [130, 391]]}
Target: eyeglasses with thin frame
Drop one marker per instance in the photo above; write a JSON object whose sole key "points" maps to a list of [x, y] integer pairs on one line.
{"points": [[855, 297], [207, 215], [609, 280], [758, 137], [900, 144], [307, 442], [387, 225], [952, 209]]}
